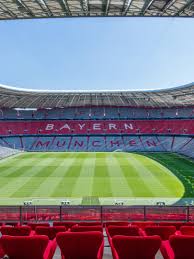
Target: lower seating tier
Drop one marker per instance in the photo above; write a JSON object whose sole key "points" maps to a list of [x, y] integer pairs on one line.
{"points": [[181, 144]]}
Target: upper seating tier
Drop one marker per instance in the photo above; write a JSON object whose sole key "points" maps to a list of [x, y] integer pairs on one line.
{"points": [[99, 112], [83, 127]]}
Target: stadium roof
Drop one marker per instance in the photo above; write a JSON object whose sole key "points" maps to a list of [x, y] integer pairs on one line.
{"points": [[25, 9], [11, 97]]}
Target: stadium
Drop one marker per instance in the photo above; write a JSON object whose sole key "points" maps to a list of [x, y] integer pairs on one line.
{"points": [[92, 174], [114, 149], [100, 139]]}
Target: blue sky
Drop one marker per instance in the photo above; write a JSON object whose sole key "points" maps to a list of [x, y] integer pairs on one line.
{"points": [[97, 53]]}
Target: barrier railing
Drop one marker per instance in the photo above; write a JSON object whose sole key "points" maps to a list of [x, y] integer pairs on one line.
{"points": [[27, 213]]}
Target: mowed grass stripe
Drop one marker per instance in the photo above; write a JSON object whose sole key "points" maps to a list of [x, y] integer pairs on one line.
{"points": [[50, 183], [32, 185], [118, 183], [133, 179], [101, 170], [25, 170], [150, 175], [60, 175], [21, 161], [177, 161], [17, 168], [84, 183], [8, 183], [65, 187], [41, 184], [16, 184], [181, 166], [8, 159], [101, 182], [166, 177]]}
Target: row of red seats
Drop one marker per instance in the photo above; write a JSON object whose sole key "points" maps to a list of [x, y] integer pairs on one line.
{"points": [[133, 242], [125, 241], [69, 224], [97, 127], [52, 230], [88, 245], [22, 242]]}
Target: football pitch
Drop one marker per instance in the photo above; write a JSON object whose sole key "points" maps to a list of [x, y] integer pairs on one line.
{"points": [[95, 178]]}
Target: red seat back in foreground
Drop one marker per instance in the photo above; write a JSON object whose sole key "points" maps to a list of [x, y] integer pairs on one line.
{"points": [[86, 228], [34, 225], [13, 224], [67, 224], [163, 231], [143, 224], [183, 247], [16, 231], [84, 245], [176, 224], [31, 247], [50, 232], [123, 230], [117, 223], [125, 247], [187, 230], [94, 223]]}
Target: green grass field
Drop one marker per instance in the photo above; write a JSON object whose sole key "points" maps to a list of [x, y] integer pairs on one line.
{"points": [[95, 178]]}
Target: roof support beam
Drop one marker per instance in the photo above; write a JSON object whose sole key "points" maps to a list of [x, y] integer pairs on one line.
{"points": [[6, 9], [146, 6], [167, 5], [41, 6], [22, 7], [64, 5], [84, 5], [107, 7], [25, 9], [44, 6], [189, 2], [125, 9]]}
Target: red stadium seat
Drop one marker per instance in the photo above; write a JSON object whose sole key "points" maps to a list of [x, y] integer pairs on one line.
{"points": [[31, 247], [34, 225], [95, 223], [187, 230], [123, 230], [67, 224], [189, 224], [176, 224], [50, 232], [178, 247], [163, 231], [77, 228], [86, 245], [143, 224], [125, 247], [117, 223], [11, 224], [16, 231]]}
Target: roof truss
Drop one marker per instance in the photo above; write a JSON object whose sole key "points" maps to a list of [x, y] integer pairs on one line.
{"points": [[18, 98], [28, 9]]}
